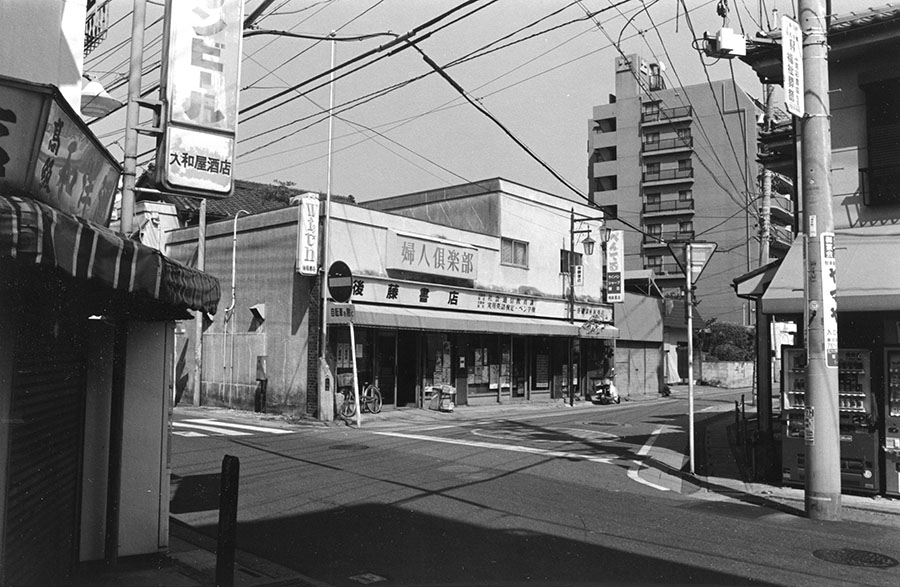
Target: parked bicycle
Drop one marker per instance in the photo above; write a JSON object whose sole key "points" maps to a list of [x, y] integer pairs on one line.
{"points": [[369, 400]]}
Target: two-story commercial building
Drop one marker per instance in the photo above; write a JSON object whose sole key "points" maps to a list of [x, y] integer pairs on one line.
{"points": [[466, 286]]}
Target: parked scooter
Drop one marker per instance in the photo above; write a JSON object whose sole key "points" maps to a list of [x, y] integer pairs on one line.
{"points": [[605, 391]]}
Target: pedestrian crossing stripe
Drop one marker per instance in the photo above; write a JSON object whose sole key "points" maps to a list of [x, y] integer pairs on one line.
{"points": [[188, 428]]}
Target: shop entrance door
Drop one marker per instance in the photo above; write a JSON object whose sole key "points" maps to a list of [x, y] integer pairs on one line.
{"points": [[407, 361], [386, 366]]}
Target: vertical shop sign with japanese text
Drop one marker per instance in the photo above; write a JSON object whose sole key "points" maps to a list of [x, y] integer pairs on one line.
{"points": [[615, 266], [308, 236], [829, 298], [792, 65], [201, 80]]}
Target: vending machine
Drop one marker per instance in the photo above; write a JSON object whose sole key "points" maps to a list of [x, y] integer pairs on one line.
{"points": [[892, 422], [858, 422]]}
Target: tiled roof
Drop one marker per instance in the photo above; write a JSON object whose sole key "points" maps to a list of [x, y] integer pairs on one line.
{"points": [[249, 196]]}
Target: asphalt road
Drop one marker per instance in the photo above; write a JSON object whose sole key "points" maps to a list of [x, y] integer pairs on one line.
{"points": [[560, 499]]}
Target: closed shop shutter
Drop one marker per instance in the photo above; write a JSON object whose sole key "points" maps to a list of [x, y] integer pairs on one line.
{"points": [[638, 369], [44, 466]]}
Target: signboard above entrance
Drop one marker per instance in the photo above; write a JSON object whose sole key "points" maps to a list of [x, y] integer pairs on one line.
{"points": [[431, 256], [47, 153]]}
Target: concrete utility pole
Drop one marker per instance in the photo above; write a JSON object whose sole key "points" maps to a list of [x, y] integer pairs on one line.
{"points": [[823, 478]]}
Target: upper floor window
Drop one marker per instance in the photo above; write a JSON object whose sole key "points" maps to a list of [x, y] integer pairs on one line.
{"points": [[651, 137], [684, 133], [652, 168], [605, 125], [881, 180], [684, 165], [513, 252], [566, 257], [685, 195], [650, 108], [653, 198]]}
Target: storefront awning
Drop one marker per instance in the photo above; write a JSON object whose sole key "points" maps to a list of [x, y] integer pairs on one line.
{"points": [[868, 275], [32, 233], [416, 319]]}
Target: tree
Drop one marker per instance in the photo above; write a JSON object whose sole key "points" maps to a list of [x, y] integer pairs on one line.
{"points": [[724, 341]]}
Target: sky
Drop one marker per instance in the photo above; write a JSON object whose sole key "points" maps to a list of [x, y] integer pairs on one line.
{"points": [[540, 67]]}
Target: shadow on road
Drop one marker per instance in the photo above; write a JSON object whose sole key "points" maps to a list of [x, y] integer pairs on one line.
{"points": [[413, 548]]}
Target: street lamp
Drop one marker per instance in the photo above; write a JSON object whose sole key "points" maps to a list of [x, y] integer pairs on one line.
{"points": [[588, 245]]}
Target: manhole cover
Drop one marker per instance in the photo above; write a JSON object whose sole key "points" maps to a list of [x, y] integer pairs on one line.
{"points": [[348, 447], [855, 558]]}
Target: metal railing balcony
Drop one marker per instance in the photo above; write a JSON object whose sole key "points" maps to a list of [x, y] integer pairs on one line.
{"points": [[666, 114], [667, 175], [667, 236], [668, 144], [669, 206], [666, 269]]}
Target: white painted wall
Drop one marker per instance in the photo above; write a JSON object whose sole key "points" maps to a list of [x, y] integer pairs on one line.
{"points": [[43, 41]]}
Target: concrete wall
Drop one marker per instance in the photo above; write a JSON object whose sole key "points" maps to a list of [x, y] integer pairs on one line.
{"points": [[728, 374]]}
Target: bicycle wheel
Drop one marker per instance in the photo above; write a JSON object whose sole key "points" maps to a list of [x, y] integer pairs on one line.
{"points": [[348, 406], [372, 397]]}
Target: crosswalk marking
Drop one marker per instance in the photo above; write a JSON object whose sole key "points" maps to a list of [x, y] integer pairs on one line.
{"points": [[239, 426], [217, 430]]}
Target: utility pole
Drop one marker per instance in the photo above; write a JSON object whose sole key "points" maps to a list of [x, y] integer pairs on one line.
{"points": [[765, 209], [199, 317], [823, 476]]}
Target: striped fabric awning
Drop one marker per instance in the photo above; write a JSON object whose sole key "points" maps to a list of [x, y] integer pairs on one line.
{"points": [[32, 233]]}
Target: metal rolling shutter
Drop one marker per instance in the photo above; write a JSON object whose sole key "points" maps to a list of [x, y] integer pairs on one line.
{"points": [[44, 470]]}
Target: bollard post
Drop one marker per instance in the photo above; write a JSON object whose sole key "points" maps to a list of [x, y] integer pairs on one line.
{"points": [[227, 539]]}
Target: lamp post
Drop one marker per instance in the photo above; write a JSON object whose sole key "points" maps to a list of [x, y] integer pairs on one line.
{"points": [[588, 245]]}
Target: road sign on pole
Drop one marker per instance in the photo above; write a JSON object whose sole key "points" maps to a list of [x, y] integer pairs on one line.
{"points": [[340, 281], [699, 257]]}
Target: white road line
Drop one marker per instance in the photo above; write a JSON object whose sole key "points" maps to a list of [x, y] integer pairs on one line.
{"points": [[633, 474], [239, 426], [498, 446], [189, 434], [222, 431]]}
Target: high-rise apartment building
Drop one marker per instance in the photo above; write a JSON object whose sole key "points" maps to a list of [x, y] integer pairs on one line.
{"points": [[680, 163]]}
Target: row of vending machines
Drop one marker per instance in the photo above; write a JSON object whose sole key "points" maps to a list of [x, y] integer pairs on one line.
{"points": [[869, 421]]}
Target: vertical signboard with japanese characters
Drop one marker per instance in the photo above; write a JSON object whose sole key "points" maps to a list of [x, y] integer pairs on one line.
{"points": [[308, 236], [792, 65], [201, 79], [615, 266], [829, 298]]}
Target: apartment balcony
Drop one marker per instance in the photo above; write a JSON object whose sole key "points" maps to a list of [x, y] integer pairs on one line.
{"points": [[666, 115], [668, 208], [667, 176], [665, 146], [667, 270], [780, 238], [661, 239], [781, 209], [880, 186]]}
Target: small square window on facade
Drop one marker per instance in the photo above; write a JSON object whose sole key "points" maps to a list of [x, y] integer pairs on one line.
{"points": [[514, 253]]}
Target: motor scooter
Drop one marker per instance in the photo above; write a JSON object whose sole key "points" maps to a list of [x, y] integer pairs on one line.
{"points": [[605, 391]]}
